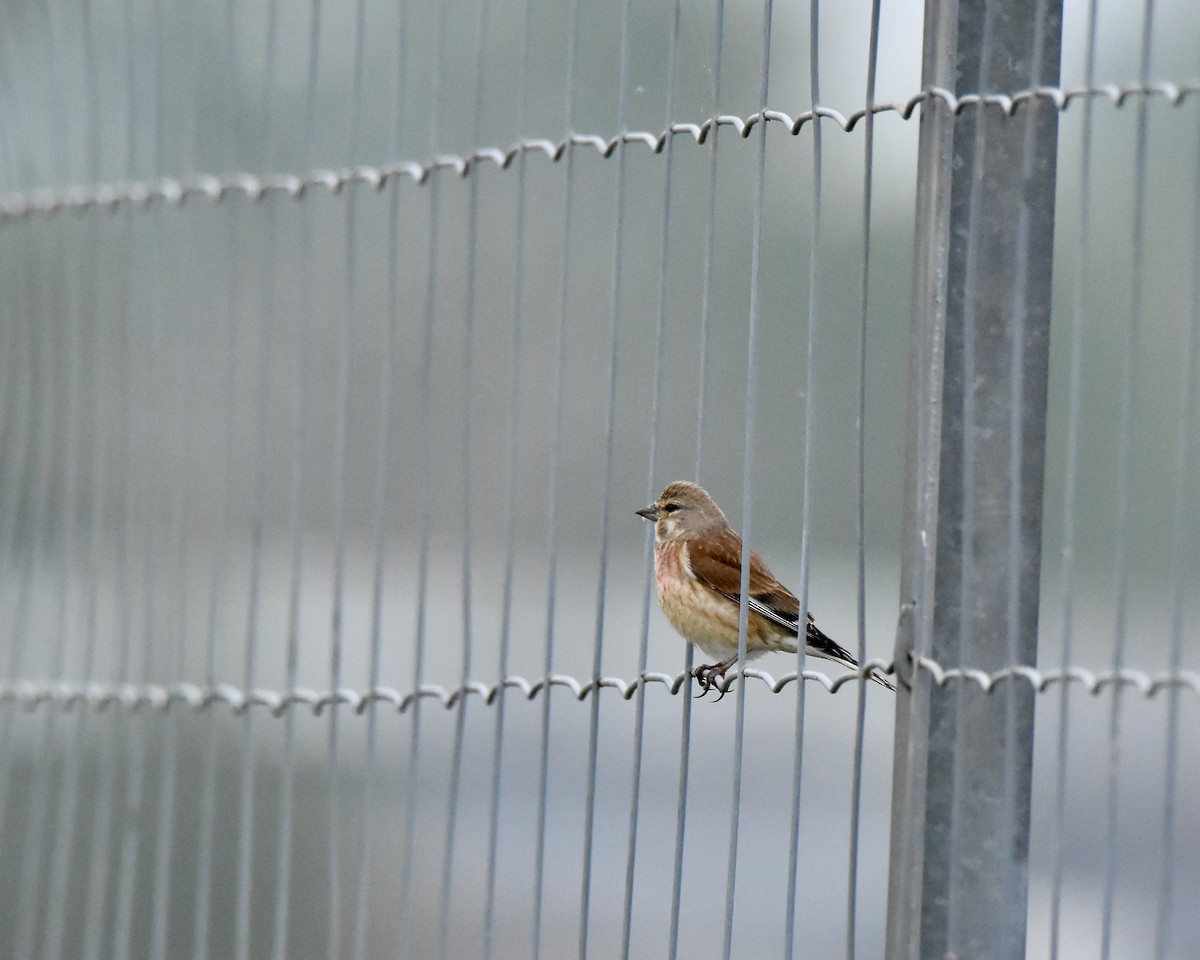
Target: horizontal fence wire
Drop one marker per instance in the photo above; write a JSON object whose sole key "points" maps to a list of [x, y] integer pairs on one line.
{"points": [[142, 193], [91, 695]]}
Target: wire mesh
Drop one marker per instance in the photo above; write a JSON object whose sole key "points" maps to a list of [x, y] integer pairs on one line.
{"points": [[340, 342]]}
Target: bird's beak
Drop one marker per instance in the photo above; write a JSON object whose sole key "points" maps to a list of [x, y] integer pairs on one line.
{"points": [[650, 513]]}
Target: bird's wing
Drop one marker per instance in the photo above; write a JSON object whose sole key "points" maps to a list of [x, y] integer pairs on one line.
{"points": [[715, 562]]}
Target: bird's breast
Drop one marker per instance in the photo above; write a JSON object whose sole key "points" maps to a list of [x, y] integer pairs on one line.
{"points": [[705, 617], [699, 614]]}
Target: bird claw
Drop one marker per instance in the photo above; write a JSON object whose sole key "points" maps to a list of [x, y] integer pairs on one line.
{"points": [[710, 675]]}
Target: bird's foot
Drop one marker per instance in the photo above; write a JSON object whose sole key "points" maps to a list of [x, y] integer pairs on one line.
{"points": [[710, 675], [707, 674]]}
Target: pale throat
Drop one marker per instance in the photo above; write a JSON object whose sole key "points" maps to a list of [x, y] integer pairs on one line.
{"points": [[665, 529]]}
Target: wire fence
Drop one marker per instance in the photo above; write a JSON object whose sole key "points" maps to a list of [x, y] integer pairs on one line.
{"points": [[328, 626]]}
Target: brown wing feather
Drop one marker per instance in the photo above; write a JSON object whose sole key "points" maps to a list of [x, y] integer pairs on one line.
{"points": [[716, 562]]}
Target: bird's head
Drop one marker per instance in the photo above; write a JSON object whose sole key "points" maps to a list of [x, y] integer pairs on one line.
{"points": [[683, 512]]}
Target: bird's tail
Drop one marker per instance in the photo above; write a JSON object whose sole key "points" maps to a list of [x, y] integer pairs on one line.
{"points": [[821, 645]]}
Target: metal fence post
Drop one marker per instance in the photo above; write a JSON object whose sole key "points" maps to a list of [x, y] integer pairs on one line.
{"points": [[972, 532]]}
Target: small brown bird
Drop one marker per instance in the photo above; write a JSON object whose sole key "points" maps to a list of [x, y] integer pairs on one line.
{"points": [[698, 569]]}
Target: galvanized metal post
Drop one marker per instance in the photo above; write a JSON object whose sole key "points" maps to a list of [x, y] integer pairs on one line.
{"points": [[972, 531]]}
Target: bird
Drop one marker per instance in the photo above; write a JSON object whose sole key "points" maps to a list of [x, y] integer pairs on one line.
{"points": [[698, 571]]}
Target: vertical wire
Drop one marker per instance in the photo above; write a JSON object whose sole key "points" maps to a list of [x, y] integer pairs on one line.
{"points": [[555, 453], [860, 518], [40, 548], [202, 906], [17, 406], [41, 535], [282, 877], [12, 433], [64, 837], [246, 778], [72, 497], [21, 451], [30, 490], [8, 152], [652, 466], [349, 328], [59, 533], [18, 455], [135, 768], [12, 496], [17, 458], [61, 646], [69, 795], [137, 429], [220, 561], [414, 764], [1124, 476], [383, 450], [30, 881], [65, 832], [466, 395], [28, 899], [22, 508], [161, 871], [751, 416], [216, 608], [10, 131], [161, 883], [283, 863], [16, 120], [341, 442], [710, 233], [245, 823], [104, 808], [510, 495], [63, 533], [814, 277], [689, 651], [13, 436], [9, 420], [1180, 555], [154, 405], [244, 877], [539, 871], [27, 163], [165, 833], [1071, 479], [424, 418], [382, 483], [589, 817]]}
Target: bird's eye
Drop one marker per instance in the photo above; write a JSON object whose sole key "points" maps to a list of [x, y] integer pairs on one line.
{"points": [[670, 507]]}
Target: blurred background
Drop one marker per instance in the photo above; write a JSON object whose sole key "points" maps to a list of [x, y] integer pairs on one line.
{"points": [[395, 436]]}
